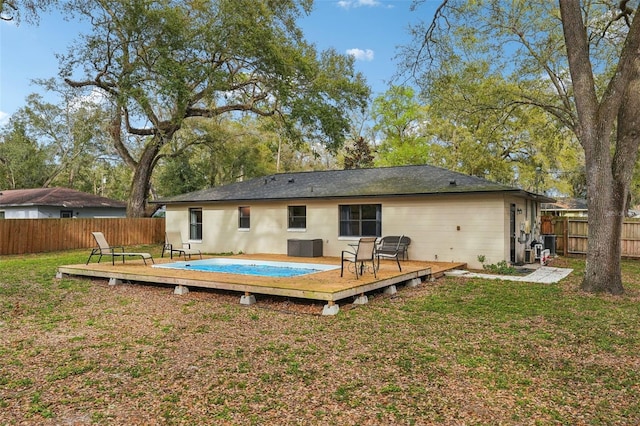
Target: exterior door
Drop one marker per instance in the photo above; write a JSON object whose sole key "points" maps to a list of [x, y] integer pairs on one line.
{"points": [[512, 233]]}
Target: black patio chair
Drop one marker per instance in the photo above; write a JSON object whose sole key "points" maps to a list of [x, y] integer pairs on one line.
{"points": [[385, 250]]}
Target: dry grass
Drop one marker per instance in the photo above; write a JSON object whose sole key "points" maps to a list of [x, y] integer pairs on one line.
{"points": [[457, 351]]}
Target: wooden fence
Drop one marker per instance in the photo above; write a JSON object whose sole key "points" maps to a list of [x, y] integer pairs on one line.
{"points": [[571, 235], [20, 236]]}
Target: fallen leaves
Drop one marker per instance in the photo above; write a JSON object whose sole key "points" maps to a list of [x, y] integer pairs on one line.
{"points": [[136, 354]]}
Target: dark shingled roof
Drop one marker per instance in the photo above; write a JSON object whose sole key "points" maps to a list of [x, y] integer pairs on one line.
{"points": [[387, 181], [55, 197], [566, 204]]}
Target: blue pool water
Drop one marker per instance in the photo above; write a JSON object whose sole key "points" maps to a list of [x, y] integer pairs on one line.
{"points": [[249, 267]]}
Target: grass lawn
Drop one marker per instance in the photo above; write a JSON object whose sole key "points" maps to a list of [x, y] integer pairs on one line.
{"points": [[457, 351]]}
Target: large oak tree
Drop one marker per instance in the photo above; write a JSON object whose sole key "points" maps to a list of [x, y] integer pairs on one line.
{"points": [[578, 62], [161, 62]]}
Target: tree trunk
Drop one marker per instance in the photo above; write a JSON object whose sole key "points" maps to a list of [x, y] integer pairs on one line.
{"points": [[603, 273], [609, 191], [137, 205], [608, 172]]}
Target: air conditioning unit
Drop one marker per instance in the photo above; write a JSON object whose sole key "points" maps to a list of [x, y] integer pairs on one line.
{"points": [[550, 243]]}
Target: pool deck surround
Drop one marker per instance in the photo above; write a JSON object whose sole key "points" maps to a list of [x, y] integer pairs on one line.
{"points": [[325, 285]]}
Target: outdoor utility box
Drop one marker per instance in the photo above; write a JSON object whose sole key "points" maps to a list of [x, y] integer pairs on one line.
{"points": [[549, 242], [304, 248], [528, 256]]}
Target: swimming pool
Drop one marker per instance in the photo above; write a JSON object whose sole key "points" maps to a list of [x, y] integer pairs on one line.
{"points": [[262, 268]]}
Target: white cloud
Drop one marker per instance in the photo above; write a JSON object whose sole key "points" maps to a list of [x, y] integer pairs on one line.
{"points": [[4, 118], [92, 99], [348, 4], [361, 55]]}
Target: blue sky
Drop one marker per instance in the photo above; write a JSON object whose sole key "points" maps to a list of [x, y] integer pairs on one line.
{"points": [[371, 30]]}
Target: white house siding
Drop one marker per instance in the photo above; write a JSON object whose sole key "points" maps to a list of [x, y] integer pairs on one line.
{"points": [[23, 213], [444, 228], [85, 212], [449, 228], [44, 212], [268, 231]]}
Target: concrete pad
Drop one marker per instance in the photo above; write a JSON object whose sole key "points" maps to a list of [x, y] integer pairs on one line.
{"points": [[547, 275], [361, 300], [247, 299], [543, 275], [114, 281], [330, 309], [456, 273], [414, 282], [180, 290], [391, 290]]}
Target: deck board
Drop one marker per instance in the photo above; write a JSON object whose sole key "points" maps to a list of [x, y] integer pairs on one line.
{"points": [[326, 286]]}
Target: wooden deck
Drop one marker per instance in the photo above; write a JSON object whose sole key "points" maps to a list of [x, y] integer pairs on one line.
{"points": [[326, 286]]}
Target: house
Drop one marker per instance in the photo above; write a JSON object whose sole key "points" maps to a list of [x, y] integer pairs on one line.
{"points": [[42, 203], [566, 207], [449, 216]]}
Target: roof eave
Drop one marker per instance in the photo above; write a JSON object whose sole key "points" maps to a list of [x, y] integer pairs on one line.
{"points": [[515, 191]]}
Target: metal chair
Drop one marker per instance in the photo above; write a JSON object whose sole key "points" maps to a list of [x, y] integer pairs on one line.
{"points": [[385, 251], [364, 252], [104, 249], [173, 242]]}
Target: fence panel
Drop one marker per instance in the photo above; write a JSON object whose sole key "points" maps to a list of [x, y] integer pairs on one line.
{"points": [[571, 235], [20, 236], [577, 232], [631, 238]]}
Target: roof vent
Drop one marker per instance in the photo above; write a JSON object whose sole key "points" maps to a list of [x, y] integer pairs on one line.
{"points": [[452, 182], [291, 180]]}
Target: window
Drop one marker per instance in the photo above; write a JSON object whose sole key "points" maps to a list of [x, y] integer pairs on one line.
{"points": [[2, 214], [361, 220], [298, 217], [66, 214], [244, 217], [195, 224]]}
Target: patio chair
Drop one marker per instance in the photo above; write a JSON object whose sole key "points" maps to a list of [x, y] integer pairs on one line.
{"points": [[364, 252], [104, 249], [404, 247], [388, 251], [390, 243], [173, 242]]}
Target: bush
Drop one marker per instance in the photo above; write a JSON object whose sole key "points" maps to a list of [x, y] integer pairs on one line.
{"points": [[502, 268]]}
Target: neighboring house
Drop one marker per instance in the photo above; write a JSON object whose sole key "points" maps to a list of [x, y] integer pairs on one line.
{"points": [[448, 216], [566, 207], [42, 203]]}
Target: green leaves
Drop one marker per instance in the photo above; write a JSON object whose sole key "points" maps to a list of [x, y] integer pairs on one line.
{"points": [[164, 63], [401, 120]]}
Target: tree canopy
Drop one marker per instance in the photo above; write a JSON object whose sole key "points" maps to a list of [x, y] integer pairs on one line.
{"points": [[577, 63], [23, 10], [161, 63], [47, 144]]}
